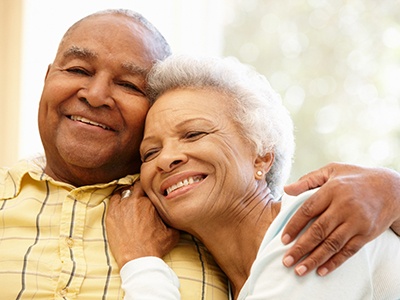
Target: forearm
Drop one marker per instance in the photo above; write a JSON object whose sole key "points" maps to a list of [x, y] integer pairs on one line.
{"points": [[149, 278]]}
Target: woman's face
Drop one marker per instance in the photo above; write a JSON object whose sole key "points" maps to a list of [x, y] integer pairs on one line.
{"points": [[196, 164]]}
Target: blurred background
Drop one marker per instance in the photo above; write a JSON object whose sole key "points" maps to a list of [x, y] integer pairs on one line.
{"points": [[336, 65]]}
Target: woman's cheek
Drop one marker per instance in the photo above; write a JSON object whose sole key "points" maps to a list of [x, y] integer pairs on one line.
{"points": [[145, 179]]}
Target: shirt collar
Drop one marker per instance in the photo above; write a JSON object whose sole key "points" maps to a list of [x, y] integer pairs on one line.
{"points": [[12, 177]]}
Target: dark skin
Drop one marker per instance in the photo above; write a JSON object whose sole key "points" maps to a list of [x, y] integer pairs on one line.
{"points": [[89, 79], [92, 111], [94, 92], [140, 214], [353, 226], [335, 237]]}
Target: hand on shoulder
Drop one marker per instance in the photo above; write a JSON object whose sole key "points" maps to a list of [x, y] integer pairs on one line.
{"points": [[354, 205]]}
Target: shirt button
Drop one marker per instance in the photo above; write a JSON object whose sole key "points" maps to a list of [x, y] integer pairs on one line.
{"points": [[63, 292], [70, 242]]}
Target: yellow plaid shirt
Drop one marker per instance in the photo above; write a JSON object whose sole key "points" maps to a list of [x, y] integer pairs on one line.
{"points": [[53, 242]]}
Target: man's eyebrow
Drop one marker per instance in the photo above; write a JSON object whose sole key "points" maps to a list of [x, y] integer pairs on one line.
{"points": [[76, 51], [135, 69]]}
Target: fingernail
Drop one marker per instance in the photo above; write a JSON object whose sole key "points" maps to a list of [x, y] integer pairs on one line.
{"points": [[288, 261], [300, 270], [322, 271], [286, 239]]}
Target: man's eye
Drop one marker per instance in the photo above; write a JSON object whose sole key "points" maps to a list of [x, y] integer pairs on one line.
{"points": [[131, 86], [78, 71]]}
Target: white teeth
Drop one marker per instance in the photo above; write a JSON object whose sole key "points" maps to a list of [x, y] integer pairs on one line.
{"points": [[184, 182], [87, 121]]}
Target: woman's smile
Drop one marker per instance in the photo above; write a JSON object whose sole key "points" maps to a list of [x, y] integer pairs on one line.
{"points": [[183, 183]]}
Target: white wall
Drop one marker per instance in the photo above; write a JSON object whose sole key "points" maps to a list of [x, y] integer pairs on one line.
{"points": [[190, 26]]}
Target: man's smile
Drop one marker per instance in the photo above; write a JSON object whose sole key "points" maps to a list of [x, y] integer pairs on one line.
{"points": [[90, 122]]}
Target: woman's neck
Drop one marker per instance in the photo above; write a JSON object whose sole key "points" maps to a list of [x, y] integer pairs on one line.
{"points": [[234, 242]]}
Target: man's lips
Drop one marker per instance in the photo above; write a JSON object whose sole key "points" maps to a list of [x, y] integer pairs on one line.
{"points": [[89, 122], [182, 183]]}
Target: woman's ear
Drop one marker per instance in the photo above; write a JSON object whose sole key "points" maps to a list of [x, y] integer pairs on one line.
{"points": [[263, 164]]}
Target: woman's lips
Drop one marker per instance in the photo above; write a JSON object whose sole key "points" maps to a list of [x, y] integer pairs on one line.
{"points": [[182, 183]]}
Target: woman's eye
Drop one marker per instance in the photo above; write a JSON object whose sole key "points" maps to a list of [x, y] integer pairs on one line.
{"points": [[149, 155], [195, 134]]}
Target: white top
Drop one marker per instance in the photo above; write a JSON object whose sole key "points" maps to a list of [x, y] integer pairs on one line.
{"points": [[149, 278], [372, 273]]}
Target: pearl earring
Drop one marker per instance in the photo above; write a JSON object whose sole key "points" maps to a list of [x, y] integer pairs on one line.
{"points": [[259, 173]]}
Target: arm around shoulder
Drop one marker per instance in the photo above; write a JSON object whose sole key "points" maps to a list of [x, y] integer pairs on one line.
{"points": [[354, 205]]}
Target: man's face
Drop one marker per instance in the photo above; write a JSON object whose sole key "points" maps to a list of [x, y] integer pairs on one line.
{"points": [[93, 106]]}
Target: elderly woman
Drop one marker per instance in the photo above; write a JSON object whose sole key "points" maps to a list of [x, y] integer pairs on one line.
{"points": [[217, 149]]}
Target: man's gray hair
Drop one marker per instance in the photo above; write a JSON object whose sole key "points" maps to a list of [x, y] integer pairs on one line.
{"points": [[164, 48]]}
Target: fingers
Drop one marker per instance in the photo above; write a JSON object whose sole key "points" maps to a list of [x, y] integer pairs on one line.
{"points": [[137, 190], [113, 209], [307, 182], [298, 187], [134, 227], [132, 193], [311, 208], [331, 245], [335, 249], [310, 242], [347, 251], [311, 180], [356, 205]]}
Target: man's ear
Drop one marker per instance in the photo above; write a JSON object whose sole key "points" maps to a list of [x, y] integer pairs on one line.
{"points": [[47, 72], [264, 163]]}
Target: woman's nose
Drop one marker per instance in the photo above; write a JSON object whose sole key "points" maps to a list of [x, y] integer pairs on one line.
{"points": [[169, 159], [97, 92]]}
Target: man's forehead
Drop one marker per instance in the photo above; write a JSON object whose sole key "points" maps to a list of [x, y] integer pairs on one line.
{"points": [[108, 20], [123, 37], [75, 51], [101, 23]]}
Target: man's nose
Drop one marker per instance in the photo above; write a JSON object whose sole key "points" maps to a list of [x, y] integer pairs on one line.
{"points": [[97, 92]]}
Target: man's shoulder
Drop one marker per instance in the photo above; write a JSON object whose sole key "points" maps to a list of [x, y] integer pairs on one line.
{"points": [[10, 177]]}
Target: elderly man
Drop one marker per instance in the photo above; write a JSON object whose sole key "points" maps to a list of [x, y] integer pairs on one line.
{"points": [[91, 115], [53, 242]]}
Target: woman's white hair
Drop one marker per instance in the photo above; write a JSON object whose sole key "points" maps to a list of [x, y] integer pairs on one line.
{"points": [[255, 106]]}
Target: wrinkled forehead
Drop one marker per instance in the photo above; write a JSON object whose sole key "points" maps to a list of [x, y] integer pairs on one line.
{"points": [[193, 98], [107, 23], [115, 35], [191, 102]]}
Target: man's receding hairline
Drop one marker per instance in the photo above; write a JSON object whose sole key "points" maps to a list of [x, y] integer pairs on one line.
{"points": [[72, 28], [136, 17]]}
